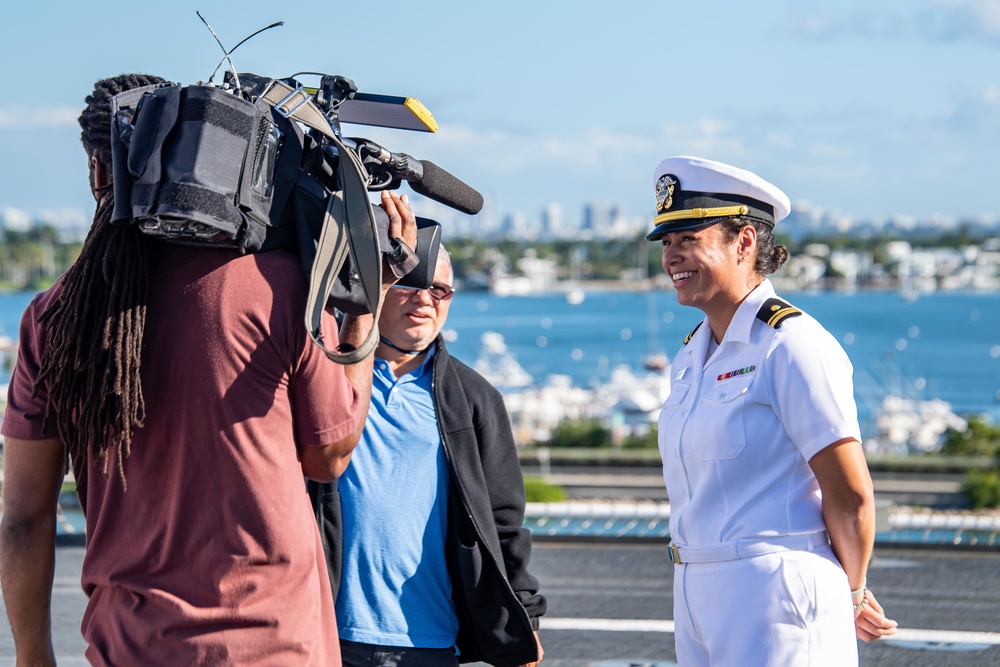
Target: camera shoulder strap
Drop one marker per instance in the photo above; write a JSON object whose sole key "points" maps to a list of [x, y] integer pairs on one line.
{"points": [[356, 235], [335, 242], [296, 103]]}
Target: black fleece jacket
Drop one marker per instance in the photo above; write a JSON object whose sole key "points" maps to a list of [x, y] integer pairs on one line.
{"points": [[488, 548]]}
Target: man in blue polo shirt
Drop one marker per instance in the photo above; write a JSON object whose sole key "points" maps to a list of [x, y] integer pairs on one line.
{"points": [[434, 555]]}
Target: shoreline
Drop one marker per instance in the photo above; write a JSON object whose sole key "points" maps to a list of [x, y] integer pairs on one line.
{"points": [[781, 285]]}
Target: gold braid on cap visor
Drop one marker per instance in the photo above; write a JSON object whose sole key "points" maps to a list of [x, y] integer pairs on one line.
{"points": [[695, 213]]}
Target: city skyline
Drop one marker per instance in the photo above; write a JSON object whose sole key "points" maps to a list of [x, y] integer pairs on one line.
{"points": [[607, 220], [864, 111]]}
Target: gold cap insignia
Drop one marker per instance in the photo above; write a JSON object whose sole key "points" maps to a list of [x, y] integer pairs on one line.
{"points": [[665, 192]]}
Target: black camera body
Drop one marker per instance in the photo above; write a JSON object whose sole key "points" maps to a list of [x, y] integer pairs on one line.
{"points": [[257, 164]]}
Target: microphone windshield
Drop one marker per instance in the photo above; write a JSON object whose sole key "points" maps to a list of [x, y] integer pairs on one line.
{"points": [[439, 185]]}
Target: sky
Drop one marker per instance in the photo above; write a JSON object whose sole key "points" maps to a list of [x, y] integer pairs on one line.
{"points": [[868, 109]]}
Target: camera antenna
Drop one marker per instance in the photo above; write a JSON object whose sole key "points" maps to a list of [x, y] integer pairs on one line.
{"points": [[225, 57]]}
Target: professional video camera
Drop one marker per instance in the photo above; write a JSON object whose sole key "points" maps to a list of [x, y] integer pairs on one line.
{"points": [[339, 100], [259, 163]]}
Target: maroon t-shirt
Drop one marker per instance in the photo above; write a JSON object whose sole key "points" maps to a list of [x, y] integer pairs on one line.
{"points": [[212, 554]]}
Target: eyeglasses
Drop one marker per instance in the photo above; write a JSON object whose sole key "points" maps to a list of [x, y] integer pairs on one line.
{"points": [[438, 291]]}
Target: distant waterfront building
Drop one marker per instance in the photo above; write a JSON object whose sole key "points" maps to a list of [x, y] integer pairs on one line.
{"points": [[624, 226], [802, 272], [602, 220], [986, 268], [816, 250], [598, 218], [553, 221], [852, 266], [802, 220], [534, 276], [515, 226]]}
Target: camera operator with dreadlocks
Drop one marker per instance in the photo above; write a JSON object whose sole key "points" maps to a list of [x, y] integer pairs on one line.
{"points": [[182, 385]]}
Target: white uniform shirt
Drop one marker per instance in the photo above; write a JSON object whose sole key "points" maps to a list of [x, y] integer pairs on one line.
{"points": [[736, 433]]}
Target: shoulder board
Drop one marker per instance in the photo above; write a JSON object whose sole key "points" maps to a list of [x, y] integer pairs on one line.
{"points": [[775, 311], [687, 339]]}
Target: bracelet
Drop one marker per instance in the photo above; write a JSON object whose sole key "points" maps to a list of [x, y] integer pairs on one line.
{"points": [[859, 591], [864, 601]]}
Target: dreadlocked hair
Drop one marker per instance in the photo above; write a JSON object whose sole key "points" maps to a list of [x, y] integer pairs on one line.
{"points": [[93, 329]]}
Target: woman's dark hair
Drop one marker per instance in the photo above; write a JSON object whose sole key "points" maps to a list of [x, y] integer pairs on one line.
{"points": [[770, 257], [93, 329]]}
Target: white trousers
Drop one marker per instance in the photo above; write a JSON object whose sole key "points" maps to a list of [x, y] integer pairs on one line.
{"points": [[785, 609]]}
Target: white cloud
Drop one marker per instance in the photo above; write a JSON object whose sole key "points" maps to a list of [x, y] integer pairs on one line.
{"points": [[22, 118], [969, 120], [824, 25], [596, 147], [960, 19], [932, 20]]}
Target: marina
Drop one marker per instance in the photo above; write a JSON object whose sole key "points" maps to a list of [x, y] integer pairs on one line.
{"points": [[920, 364]]}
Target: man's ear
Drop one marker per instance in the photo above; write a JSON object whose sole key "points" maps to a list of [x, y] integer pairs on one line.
{"points": [[99, 174]]}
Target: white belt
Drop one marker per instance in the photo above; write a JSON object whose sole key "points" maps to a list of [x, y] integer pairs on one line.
{"points": [[748, 548]]}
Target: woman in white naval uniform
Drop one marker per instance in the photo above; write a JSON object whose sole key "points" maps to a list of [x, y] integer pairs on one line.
{"points": [[772, 512]]}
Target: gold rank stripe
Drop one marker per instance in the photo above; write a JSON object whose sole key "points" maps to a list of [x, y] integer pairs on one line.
{"points": [[695, 213], [781, 314], [687, 339]]}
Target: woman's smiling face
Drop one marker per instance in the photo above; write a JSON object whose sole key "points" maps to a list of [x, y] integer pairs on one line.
{"points": [[704, 268]]}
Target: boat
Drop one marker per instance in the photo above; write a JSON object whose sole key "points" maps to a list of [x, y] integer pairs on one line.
{"points": [[575, 296], [906, 425], [631, 402], [534, 276], [573, 286], [507, 285], [657, 362], [628, 403], [498, 365]]}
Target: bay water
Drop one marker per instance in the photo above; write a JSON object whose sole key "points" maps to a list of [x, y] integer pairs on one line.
{"points": [[938, 345]]}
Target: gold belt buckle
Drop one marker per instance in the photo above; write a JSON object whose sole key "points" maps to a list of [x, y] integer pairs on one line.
{"points": [[675, 554]]}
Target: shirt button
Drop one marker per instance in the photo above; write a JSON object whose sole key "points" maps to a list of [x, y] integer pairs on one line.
{"points": [[722, 395]]}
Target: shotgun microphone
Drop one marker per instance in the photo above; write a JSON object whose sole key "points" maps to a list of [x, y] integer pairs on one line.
{"points": [[441, 186], [425, 177]]}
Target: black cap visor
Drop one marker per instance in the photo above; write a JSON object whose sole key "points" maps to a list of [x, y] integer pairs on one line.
{"points": [[682, 226], [696, 210]]}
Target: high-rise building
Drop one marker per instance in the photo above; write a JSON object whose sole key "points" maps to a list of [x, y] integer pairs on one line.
{"points": [[598, 217], [553, 222], [514, 225]]}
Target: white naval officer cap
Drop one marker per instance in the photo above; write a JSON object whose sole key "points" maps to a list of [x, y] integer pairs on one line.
{"points": [[692, 192]]}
